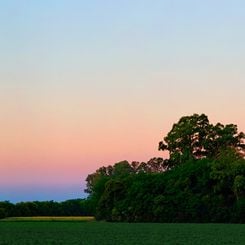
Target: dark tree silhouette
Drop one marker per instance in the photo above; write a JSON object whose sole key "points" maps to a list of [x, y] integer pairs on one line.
{"points": [[193, 137]]}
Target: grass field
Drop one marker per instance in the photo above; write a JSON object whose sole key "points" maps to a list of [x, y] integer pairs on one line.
{"points": [[99, 233], [50, 218]]}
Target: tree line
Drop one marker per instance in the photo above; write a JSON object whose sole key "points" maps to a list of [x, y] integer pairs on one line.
{"points": [[73, 207], [203, 180]]}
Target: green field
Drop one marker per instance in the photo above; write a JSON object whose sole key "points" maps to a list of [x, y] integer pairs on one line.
{"points": [[50, 218], [92, 232]]}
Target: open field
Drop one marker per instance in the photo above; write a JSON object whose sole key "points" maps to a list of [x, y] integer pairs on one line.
{"points": [[50, 218], [89, 233]]}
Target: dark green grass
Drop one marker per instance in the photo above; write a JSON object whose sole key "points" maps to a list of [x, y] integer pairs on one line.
{"points": [[99, 233]]}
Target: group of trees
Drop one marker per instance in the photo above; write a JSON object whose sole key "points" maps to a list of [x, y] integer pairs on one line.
{"points": [[74, 207], [203, 180]]}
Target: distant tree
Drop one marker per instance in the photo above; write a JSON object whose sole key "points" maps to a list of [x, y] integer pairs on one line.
{"points": [[228, 172], [122, 169], [3, 213], [193, 137], [108, 204], [7, 208], [221, 137], [96, 182], [96, 179]]}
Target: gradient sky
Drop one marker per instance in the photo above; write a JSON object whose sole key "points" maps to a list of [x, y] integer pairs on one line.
{"points": [[89, 83]]}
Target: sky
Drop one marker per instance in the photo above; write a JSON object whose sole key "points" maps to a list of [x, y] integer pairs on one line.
{"points": [[90, 83]]}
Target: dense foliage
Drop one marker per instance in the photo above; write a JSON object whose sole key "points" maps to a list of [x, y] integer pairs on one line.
{"points": [[202, 181], [74, 207], [193, 137]]}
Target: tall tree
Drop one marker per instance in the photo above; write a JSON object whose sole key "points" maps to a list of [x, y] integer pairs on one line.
{"points": [[193, 137]]}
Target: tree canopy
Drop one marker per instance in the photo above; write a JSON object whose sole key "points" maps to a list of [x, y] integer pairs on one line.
{"points": [[194, 137], [203, 180]]}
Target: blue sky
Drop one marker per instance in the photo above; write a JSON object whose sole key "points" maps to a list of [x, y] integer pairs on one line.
{"points": [[118, 73]]}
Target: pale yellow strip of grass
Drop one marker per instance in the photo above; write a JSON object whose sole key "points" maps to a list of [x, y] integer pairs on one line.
{"points": [[51, 218]]}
